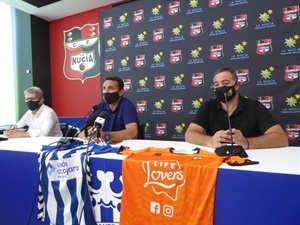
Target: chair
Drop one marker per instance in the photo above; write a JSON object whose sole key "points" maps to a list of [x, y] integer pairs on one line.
{"points": [[64, 128], [67, 130], [141, 134]]}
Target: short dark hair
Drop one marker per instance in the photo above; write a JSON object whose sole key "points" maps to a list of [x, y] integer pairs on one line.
{"points": [[231, 70], [119, 80]]}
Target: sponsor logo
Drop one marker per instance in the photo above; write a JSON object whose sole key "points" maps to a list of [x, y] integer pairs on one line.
{"points": [[177, 105], [158, 35], [127, 84], [240, 22], [107, 23], [61, 169], [138, 15], [140, 61], [174, 8], [175, 57], [196, 103], [264, 46], [125, 41], [267, 101], [292, 73], [196, 29], [50, 168], [293, 131], [216, 52], [243, 76], [291, 14], [159, 82], [161, 129], [109, 65], [214, 3], [164, 177], [197, 79], [141, 106]]}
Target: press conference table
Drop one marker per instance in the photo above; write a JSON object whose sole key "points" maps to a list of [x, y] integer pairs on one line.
{"points": [[263, 194]]}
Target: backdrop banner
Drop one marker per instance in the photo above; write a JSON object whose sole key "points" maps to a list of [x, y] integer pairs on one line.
{"points": [[166, 53]]}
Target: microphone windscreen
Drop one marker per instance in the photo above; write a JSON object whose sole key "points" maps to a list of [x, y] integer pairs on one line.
{"points": [[104, 114], [95, 107], [92, 118]]}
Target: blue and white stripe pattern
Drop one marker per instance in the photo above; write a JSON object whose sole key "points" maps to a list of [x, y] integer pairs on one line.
{"points": [[63, 197]]}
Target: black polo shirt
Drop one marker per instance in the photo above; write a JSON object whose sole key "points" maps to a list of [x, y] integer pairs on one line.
{"points": [[251, 117]]}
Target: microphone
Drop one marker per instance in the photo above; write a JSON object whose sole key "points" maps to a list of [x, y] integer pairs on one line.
{"points": [[92, 110], [231, 149], [99, 122], [65, 139], [88, 123]]}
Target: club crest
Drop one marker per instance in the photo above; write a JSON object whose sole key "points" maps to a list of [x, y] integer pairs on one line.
{"points": [[82, 52]]}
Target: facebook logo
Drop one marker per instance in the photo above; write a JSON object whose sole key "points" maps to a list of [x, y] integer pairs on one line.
{"points": [[155, 207]]}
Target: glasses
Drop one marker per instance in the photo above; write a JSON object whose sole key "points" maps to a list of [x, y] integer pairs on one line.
{"points": [[31, 99]]}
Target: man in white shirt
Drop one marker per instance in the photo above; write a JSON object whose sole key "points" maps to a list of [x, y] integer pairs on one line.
{"points": [[40, 118]]}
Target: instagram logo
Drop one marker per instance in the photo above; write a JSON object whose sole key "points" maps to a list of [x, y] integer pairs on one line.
{"points": [[168, 210], [155, 207]]}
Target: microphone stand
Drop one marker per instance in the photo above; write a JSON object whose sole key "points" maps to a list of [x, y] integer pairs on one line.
{"points": [[231, 149]]}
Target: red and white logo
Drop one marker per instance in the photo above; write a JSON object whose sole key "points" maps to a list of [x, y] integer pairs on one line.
{"points": [[291, 14], [243, 75], [140, 61], [141, 106], [196, 29], [267, 101], [127, 84], [159, 82], [81, 52], [107, 23], [174, 8], [240, 22], [175, 56], [138, 15], [292, 73], [214, 3], [125, 41], [177, 105], [293, 131], [216, 52], [158, 35], [161, 129], [109, 65], [264, 46], [197, 79]]}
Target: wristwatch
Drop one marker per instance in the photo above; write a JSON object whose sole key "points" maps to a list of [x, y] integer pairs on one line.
{"points": [[107, 137]]}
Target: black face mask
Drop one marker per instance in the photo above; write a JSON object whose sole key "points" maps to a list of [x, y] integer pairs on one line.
{"points": [[111, 98], [229, 90], [33, 105]]}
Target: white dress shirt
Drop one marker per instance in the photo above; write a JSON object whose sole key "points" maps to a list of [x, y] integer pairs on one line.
{"points": [[44, 122]]}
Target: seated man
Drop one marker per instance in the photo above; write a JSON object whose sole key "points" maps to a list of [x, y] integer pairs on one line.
{"points": [[253, 126], [40, 118], [122, 122]]}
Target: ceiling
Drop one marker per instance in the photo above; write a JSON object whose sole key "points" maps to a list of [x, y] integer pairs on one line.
{"points": [[59, 9]]}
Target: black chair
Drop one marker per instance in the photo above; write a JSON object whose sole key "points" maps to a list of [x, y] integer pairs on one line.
{"points": [[67, 130], [141, 134], [64, 128]]}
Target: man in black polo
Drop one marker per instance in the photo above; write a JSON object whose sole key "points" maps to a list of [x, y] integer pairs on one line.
{"points": [[253, 126]]}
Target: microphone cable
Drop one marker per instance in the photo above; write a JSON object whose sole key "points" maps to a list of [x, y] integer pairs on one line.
{"points": [[92, 110]]}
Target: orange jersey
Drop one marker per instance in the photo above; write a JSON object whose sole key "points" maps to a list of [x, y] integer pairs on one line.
{"points": [[162, 188]]}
